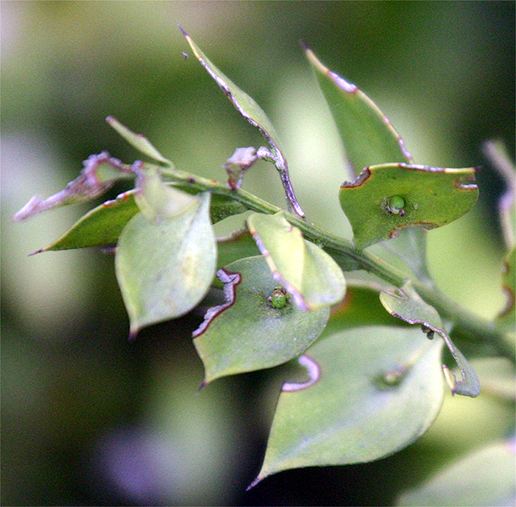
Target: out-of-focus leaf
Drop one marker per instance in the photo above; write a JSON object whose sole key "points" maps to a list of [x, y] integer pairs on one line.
{"points": [[258, 326], [507, 316], [138, 141], [308, 273], [255, 115], [504, 165], [406, 304], [104, 224], [378, 390], [367, 135], [483, 477], [99, 174], [236, 246], [164, 269], [386, 198]]}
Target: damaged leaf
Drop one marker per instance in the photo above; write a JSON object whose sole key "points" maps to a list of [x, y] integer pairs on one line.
{"points": [[379, 389], [406, 304], [255, 115], [431, 197], [312, 277], [99, 174], [367, 135], [252, 330]]}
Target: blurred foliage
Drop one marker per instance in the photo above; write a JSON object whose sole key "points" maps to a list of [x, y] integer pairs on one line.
{"points": [[91, 419]]}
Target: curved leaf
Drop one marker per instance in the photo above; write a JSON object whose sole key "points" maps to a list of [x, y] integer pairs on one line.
{"points": [[406, 304], [367, 135], [258, 326], [164, 269], [238, 245], [506, 317], [99, 174], [255, 115], [483, 477], [379, 389], [312, 277], [138, 141], [103, 225], [384, 199]]}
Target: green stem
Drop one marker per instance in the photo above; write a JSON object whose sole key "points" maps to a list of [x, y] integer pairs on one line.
{"points": [[345, 254]]}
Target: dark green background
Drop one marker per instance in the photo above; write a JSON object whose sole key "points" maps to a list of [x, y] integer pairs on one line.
{"points": [[90, 419]]}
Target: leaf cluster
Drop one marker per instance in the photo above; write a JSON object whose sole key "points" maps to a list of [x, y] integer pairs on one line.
{"points": [[288, 290]]}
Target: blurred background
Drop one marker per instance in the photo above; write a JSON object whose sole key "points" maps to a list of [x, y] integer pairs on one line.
{"points": [[91, 419]]}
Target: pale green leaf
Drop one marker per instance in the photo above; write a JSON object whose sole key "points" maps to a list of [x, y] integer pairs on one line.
{"points": [[312, 277], [385, 199], [257, 327], [138, 141], [255, 115], [483, 477], [164, 269], [372, 391], [406, 304]]}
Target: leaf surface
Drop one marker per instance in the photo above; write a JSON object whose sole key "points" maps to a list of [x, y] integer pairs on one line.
{"points": [[255, 115], [250, 332], [367, 135], [483, 477], [165, 268], [138, 141], [507, 316], [312, 277], [378, 389], [387, 198], [104, 224], [406, 304]]}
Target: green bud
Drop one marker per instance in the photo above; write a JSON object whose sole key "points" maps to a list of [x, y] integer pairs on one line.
{"points": [[278, 299]]}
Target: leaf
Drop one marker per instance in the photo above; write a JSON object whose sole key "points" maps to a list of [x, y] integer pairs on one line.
{"points": [[157, 201], [379, 389], [507, 316], [164, 269], [308, 273], [386, 198], [104, 224], [99, 174], [255, 115], [482, 477], [138, 141], [258, 326], [406, 304], [367, 135], [238, 245]]}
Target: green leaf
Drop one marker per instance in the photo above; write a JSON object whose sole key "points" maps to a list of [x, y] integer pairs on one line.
{"points": [[255, 115], [308, 273], [431, 197], [138, 141], [507, 316], [367, 135], [104, 224], [483, 477], [164, 269], [373, 391], [406, 304], [236, 246], [361, 307], [99, 174], [257, 327]]}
